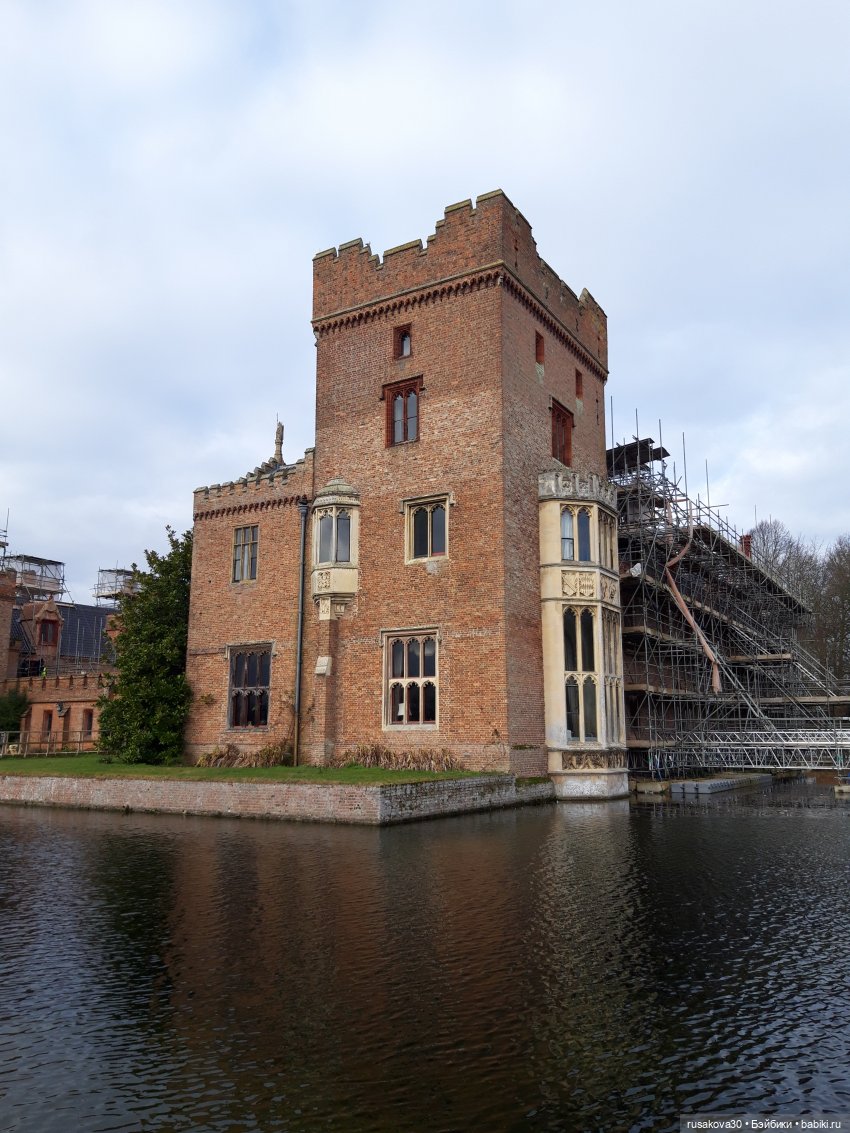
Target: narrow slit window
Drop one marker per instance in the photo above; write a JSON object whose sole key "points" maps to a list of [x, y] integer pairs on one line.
{"points": [[562, 433], [590, 732], [421, 519], [570, 641], [579, 385], [584, 536], [326, 536], [539, 349], [573, 725], [567, 537], [402, 342], [343, 537], [587, 652]]}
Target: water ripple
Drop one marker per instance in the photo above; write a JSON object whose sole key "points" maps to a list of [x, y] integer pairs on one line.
{"points": [[557, 968]]}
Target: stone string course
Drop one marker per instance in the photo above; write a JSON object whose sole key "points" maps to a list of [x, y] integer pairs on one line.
{"points": [[300, 802]]}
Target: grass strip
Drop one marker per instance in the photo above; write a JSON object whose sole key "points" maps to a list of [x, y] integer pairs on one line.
{"points": [[94, 766]]}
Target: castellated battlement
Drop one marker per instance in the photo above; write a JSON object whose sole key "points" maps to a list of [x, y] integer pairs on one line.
{"points": [[267, 479], [493, 234]]}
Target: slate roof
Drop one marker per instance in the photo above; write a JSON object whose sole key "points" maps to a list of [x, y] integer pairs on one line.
{"points": [[82, 632]]}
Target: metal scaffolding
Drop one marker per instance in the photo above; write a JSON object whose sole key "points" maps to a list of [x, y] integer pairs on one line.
{"points": [[113, 585], [715, 674], [37, 579]]}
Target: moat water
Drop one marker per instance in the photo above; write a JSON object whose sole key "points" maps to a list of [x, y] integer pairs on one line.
{"points": [[554, 968]]}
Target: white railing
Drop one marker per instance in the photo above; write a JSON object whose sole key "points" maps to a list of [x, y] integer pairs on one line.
{"points": [[27, 743]]}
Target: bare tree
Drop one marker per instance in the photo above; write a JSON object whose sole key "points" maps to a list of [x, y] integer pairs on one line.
{"points": [[793, 561], [832, 609]]}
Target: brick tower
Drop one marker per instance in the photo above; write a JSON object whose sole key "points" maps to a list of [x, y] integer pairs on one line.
{"points": [[449, 378], [461, 541]]}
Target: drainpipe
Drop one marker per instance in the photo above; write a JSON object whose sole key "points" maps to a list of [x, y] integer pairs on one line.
{"points": [[303, 508]]}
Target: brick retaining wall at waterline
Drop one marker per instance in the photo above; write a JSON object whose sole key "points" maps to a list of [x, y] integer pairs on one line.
{"points": [[300, 802]]}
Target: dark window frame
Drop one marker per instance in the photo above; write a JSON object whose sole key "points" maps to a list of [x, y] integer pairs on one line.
{"points": [[402, 342], [412, 679], [249, 685], [563, 423], [246, 554], [48, 632], [408, 434], [423, 538]]}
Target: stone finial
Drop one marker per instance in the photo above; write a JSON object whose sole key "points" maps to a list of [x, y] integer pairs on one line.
{"points": [[278, 443]]}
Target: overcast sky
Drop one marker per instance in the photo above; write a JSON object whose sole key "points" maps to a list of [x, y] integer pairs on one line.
{"points": [[168, 169]]}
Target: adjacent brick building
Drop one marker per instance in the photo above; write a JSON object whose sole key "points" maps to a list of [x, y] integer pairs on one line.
{"points": [[459, 583], [54, 652]]}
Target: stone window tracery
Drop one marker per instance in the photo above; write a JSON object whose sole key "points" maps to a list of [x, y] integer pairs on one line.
{"points": [[580, 685], [427, 528], [403, 412], [250, 677], [412, 679]]}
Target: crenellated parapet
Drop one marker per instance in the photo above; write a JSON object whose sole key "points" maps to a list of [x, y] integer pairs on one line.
{"points": [[491, 240], [269, 485], [567, 484]]}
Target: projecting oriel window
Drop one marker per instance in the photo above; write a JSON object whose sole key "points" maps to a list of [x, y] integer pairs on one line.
{"points": [[334, 542], [576, 521], [246, 541], [568, 543]]}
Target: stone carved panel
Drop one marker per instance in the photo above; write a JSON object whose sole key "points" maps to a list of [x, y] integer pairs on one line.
{"points": [[323, 580], [569, 485], [590, 761], [578, 584], [610, 591]]}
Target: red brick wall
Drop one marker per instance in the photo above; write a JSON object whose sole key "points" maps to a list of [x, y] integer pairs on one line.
{"points": [[78, 692], [459, 452], [223, 612]]}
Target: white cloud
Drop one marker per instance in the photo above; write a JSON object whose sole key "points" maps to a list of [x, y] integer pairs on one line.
{"points": [[169, 169]]}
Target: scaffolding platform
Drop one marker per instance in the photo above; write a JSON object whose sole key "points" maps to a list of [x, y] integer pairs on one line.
{"points": [[715, 674]]}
